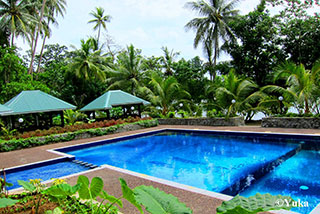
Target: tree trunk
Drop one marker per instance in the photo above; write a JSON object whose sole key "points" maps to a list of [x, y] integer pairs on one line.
{"points": [[12, 38], [37, 37], [307, 110], [98, 34], [41, 53]]}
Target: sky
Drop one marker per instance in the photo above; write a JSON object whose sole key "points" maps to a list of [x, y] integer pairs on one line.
{"points": [[147, 24]]}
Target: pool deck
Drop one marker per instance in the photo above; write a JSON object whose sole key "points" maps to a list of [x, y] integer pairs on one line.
{"points": [[199, 201]]}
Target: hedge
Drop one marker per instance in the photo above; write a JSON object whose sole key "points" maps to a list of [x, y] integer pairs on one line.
{"points": [[15, 144]]}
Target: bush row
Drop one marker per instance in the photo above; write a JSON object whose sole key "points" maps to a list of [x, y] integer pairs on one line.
{"points": [[21, 143], [77, 127]]}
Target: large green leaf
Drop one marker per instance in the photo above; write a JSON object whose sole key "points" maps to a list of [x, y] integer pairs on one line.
{"points": [[84, 189], [96, 186], [4, 202], [111, 198], [128, 194], [27, 186], [88, 189], [62, 190], [255, 204], [159, 202]]}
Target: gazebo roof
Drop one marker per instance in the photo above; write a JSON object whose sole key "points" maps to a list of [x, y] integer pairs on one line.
{"points": [[113, 98], [4, 110], [36, 101]]}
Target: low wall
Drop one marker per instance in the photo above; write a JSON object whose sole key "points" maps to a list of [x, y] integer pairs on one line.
{"points": [[291, 122], [234, 121]]}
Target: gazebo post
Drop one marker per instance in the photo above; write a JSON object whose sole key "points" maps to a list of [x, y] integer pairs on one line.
{"points": [[12, 121], [108, 114], [50, 119], [62, 118], [37, 119], [139, 110]]}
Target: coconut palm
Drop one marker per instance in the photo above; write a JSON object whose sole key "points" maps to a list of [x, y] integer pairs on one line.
{"points": [[213, 25], [88, 62], [55, 8], [15, 16], [164, 93], [128, 73], [300, 84], [237, 95], [167, 60], [99, 20]]}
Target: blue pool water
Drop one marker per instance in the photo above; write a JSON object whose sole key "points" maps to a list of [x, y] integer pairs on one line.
{"points": [[215, 163], [46, 172], [298, 177]]}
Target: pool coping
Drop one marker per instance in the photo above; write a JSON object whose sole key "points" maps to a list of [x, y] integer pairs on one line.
{"points": [[158, 180]]}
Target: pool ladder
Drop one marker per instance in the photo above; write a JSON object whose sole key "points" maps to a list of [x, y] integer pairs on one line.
{"points": [[86, 164]]}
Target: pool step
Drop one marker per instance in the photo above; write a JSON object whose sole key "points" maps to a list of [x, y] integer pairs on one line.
{"points": [[246, 181], [86, 164]]}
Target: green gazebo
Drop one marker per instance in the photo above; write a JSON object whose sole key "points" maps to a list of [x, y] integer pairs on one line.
{"points": [[115, 98], [4, 110], [35, 102]]}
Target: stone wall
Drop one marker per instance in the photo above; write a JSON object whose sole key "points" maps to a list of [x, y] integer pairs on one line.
{"points": [[291, 122], [234, 121]]}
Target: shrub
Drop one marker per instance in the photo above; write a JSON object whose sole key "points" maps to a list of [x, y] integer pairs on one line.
{"points": [[68, 133], [171, 114]]}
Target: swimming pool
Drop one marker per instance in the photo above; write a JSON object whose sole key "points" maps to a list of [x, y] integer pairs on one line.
{"points": [[226, 162]]}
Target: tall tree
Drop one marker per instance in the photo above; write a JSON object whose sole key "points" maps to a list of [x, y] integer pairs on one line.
{"points": [[212, 26], [258, 49], [99, 20], [167, 60], [88, 62], [127, 74], [15, 16], [164, 93], [55, 8], [38, 28]]}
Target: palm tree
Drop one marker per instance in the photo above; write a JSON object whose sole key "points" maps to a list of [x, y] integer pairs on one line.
{"points": [[164, 93], [88, 62], [15, 16], [237, 95], [300, 84], [55, 8], [38, 28], [168, 59], [99, 19], [127, 74], [213, 25]]}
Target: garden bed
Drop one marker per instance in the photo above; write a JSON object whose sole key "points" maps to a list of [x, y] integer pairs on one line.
{"points": [[291, 122], [15, 144], [233, 121]]}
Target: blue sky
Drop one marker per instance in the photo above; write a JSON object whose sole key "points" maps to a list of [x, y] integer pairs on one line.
{"points": [[147, 24]]}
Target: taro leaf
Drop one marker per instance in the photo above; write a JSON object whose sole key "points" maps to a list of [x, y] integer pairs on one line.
{"points": [[5, 202], [255, 204], [159, 202], [111, 198], [62, 190], [86, 191], [27, 186], [128, 194], [96, 186]]}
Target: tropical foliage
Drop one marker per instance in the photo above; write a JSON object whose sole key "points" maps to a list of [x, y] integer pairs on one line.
{"points": [[272, 56]]}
